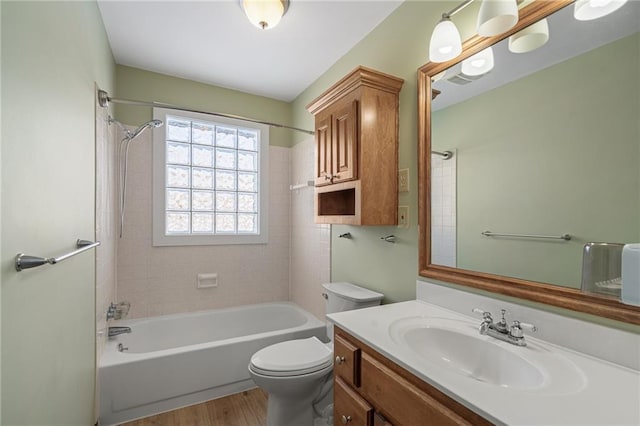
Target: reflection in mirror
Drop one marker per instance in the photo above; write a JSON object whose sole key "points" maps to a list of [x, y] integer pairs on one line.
{"points": [[546, 144], [543, 128]]}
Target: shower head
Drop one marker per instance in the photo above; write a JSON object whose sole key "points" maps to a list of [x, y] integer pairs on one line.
{"points": [[148, 124], [128, 134]]}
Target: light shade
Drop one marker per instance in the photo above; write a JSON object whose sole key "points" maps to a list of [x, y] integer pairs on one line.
{"points": [[264, 14], [586, 10], [496, 17], [530, 38], [478, 64], [445, 42]]}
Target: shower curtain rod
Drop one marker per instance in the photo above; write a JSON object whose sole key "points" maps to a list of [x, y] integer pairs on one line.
{"points": [[104, 99]]}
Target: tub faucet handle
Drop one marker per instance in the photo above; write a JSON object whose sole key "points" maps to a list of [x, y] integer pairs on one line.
{"points": [[111, 311]]}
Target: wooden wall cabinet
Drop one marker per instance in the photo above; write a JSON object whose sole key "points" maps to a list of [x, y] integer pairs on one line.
{"points": [[379, 392], [356, 125]]}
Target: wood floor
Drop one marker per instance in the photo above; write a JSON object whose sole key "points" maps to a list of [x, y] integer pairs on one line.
{"points": [[242, 409]]}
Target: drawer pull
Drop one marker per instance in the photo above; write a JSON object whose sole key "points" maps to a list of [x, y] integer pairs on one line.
{"points": [[346, 419], [339, 359]]}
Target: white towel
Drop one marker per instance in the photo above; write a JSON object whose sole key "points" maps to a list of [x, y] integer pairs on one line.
{"points": [[631, 274]]}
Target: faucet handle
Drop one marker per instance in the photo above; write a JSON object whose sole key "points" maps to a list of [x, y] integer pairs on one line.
{"points": [[527, 325], [517, 326], [486, 315]]}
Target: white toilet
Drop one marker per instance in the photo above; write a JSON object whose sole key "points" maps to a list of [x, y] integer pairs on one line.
{"points": [[297, 373]]}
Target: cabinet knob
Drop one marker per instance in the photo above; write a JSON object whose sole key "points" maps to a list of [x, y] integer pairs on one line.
{"points": [[339, 359], [345, 419]]}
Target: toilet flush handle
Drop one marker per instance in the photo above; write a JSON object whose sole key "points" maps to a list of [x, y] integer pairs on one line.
{"points": [[339, 359], [325, 295]]}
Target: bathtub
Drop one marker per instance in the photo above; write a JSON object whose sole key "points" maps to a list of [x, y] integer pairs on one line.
{"points": [[177, 360]]}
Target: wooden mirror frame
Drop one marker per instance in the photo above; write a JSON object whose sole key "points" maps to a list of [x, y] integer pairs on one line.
{"points": [[569, 298]]}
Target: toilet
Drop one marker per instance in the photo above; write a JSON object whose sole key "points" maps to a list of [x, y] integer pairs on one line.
{"points": [[297, 373]]}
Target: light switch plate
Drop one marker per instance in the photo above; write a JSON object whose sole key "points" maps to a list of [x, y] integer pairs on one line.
{"points": [[403, 216], [403, 180]]}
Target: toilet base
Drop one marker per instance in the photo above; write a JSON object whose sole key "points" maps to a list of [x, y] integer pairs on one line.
{"points": [[291, 398]]}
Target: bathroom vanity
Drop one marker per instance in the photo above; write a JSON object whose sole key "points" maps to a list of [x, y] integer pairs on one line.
{"points": [[370, 389], [423, 363]]}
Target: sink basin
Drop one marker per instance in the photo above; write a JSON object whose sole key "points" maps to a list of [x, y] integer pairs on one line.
{"points": [[456, 346], [478, 359]]}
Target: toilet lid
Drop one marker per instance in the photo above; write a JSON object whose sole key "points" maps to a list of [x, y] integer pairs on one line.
{"points": [[292, 358]]}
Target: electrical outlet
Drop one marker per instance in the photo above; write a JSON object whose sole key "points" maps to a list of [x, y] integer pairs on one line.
{"points": [[403, 216], [403, 180]]}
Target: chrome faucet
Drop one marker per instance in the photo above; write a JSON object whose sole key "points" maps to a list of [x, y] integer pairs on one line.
{"points": [[501, 330], [116, 331]]}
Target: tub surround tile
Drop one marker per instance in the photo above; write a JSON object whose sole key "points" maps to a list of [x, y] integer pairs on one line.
{"points": [[106, 224], [162, 280], [310, 242], [292, 266]]}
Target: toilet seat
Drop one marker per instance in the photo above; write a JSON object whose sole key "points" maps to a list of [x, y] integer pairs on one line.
{"points": [[292, 358]]}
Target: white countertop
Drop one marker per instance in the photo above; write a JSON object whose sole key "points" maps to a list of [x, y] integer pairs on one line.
{"points": [[579, 389]]}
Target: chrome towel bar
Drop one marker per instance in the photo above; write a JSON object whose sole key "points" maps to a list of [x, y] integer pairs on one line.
{"points": [[565, 237], [24, 261]]}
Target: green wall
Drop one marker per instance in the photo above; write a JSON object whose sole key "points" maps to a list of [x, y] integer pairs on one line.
{"points": [[577, 173], [53, 54], [141, 85]]}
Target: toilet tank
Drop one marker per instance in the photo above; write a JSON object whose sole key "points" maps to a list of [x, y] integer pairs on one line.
{"points": [[346, 296]]}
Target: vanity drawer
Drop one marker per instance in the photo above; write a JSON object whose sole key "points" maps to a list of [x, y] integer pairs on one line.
{"points": [[349, 408], [405, 404], [347, 361]]}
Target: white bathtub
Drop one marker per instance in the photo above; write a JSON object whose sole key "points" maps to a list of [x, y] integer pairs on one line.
{"points": [[177, 360]]}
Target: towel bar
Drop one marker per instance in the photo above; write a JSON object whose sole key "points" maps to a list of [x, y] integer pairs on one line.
{"points": [[24, 261]]}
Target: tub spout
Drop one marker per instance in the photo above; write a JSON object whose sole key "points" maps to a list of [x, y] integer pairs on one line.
{"points": [[116, 331]]}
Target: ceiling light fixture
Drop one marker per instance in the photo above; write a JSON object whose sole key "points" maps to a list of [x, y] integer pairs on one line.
{"points": [[586, 10], [265, 14], [530, 38]]}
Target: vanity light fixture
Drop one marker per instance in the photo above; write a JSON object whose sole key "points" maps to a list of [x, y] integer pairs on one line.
{"points": [[445, 41], [586, 10], [265, 14], [495, 17], [478, 64], [530, 38]]}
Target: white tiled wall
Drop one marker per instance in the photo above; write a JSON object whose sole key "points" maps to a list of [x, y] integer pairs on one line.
{"points": [[106, 225], [310, 242], [162, 280], [443, 210]]}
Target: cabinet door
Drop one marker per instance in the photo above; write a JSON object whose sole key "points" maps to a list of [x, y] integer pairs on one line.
{"points": [[345, 142], [323, 150], [347, 365], [404, 404], [349, 408]]}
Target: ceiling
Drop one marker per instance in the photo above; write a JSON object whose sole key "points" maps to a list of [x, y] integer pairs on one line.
{"points": [[213, 42]]}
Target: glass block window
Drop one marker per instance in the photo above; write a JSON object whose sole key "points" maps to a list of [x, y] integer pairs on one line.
{"points": [[211, 178]]}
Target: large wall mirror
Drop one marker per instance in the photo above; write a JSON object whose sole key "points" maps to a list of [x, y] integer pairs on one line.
{"points": [[522, 165]]}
